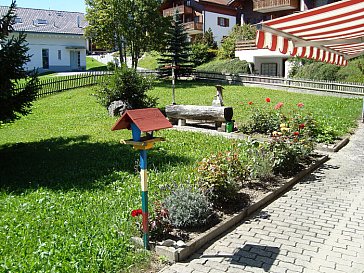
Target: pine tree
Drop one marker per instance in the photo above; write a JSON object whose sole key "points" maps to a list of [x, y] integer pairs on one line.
{"points": [[13, 57], [177, 50]]}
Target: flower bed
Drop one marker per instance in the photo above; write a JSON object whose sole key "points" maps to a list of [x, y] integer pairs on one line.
{"points": [[175, 254]]}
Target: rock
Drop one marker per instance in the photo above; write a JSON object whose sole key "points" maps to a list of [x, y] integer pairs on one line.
{"points": [[137, 241], [117, 108], [181, 244], [168, 242]]}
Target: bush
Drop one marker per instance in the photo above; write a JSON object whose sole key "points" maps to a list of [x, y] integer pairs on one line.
{"points": [[128, 86], [233, 66], [257, 157], [188, 208], [263, 120], [318, 71], [221, 176], [243, 32], [289, 151], [201, 53]]}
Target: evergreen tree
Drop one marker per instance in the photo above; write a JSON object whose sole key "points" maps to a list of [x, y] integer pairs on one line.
{"points": [[13, 57], [208, 39], [177, 50]]}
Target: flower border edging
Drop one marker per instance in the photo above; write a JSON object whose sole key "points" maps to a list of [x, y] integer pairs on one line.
{"points": [[180, 254]]}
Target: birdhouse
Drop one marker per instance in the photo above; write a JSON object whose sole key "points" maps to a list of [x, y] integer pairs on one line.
{"points": [[141, 121]]}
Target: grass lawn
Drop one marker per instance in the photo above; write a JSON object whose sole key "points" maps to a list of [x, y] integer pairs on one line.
{"points": [[94, 65], [334, 113], [67, 186], [149, 60]]}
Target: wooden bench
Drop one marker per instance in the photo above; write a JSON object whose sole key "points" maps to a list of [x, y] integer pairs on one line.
{"points": [[199, 113]]}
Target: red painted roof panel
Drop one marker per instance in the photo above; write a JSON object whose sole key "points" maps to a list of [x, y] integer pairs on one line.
{"points": [[148, 119]]}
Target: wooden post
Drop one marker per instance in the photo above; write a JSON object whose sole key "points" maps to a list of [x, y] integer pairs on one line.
{"points": [[144, 184], [136, 133], [173, 85], [362, 112]]}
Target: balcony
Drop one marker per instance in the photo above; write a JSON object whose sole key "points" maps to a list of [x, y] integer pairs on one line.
{"points": [[193, 27], [265, 6], [245, 45], [183, 9]]}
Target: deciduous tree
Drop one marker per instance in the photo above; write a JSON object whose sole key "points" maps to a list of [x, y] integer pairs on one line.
{"points": [[126, 25]]}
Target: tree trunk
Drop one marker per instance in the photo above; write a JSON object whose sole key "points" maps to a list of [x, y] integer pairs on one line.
{"points": [[198, 112]]}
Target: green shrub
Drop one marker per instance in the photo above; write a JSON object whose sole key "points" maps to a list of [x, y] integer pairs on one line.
{"points": [[289, 150], [257, 157], [188, 208], [200, 53], [231, 66], [263, 120], [126, 85], [238, 33], [220, 176]]}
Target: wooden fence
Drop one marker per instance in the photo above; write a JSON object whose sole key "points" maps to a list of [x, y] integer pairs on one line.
{"points": [[58, 84], [356, 89], [61, 83]]}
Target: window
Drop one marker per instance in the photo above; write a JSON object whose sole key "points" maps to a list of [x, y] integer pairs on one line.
{"points": [[18, 20], [59, 54], [45, 58], [319, 3], [40, 22], [78, 58], [269, 69], [223, 22]]}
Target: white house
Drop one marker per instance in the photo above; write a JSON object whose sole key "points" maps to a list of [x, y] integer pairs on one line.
{"points": [[55, 39]]}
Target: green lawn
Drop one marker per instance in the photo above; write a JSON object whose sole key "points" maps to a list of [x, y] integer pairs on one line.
{"points": [[67, 186], [338, 114], [94, 65]]}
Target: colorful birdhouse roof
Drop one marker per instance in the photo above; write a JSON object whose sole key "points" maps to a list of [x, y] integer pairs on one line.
{"points": [[148, 119]]}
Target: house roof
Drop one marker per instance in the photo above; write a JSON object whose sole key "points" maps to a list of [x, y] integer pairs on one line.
{"points": [[148, 119], [47, 21]]}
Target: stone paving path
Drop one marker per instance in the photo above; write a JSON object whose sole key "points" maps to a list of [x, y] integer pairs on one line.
{"points": [[316, 227]]}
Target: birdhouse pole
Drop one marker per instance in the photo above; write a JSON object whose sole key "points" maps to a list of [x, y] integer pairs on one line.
{"points": [[136, 133], [144, 184]]}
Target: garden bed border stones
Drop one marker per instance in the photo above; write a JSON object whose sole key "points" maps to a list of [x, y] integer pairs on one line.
{"points": [[180, 254], [333, 148]]}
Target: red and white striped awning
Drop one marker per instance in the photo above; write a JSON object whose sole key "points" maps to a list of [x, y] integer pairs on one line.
{"points": [[332, 33]]}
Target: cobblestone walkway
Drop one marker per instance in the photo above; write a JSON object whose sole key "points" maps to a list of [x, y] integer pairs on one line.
{"points": [[316, 227]]}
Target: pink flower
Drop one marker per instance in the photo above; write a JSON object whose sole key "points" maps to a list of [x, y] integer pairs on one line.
{"points": [[267, 99], [300, 105], [278, 105], [250, 102]]}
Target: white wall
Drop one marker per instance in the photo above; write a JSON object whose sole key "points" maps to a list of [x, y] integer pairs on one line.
{"points": [[260, 56], [218, 31], [54, 42]]}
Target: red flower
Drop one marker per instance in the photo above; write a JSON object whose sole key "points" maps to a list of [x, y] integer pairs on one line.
{"points": [[296, 133], [278, 105], [267, 99], [300, 104], [136, 212], [250, 102], [301, 126]]}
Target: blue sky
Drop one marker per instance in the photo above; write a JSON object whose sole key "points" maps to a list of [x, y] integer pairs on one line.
{"points": [[66, 5]]}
